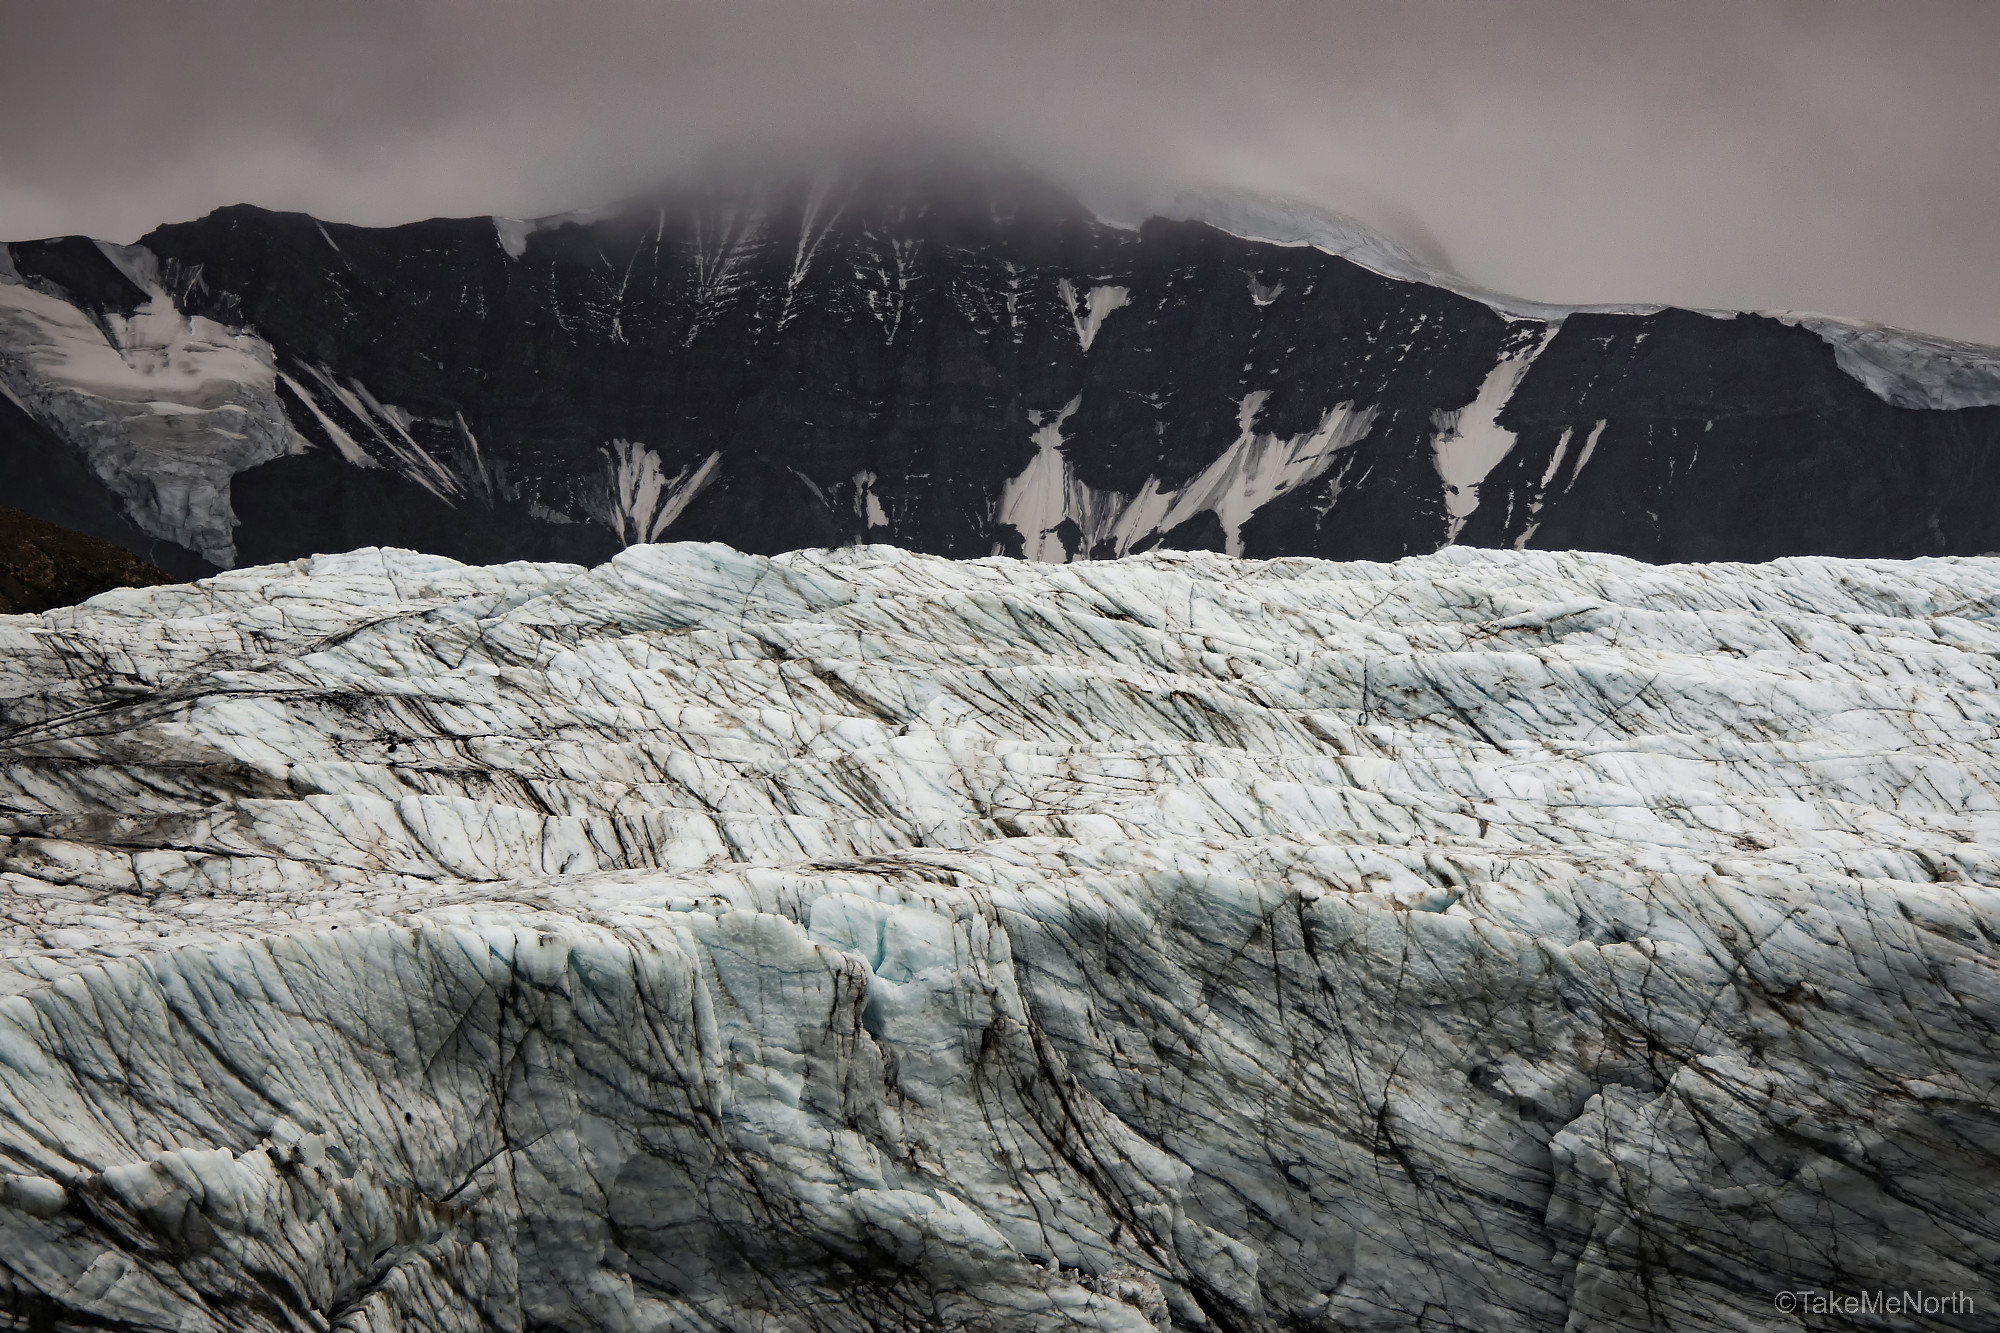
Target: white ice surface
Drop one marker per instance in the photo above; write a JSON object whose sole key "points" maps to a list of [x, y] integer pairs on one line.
{"points": [[860, 940]]}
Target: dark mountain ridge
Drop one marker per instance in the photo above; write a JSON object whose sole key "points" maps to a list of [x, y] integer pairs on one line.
{"points": [[963, 364]]}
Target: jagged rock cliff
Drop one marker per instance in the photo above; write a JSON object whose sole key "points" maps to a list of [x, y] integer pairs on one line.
{"points": [[955, 362], [860, 940]]}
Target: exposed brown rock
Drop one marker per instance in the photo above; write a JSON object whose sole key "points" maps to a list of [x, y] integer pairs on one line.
{"points": [[43, 565]]}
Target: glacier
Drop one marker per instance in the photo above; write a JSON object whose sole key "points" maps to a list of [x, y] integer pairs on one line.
{"points": [[164, 407], [857, 939]]}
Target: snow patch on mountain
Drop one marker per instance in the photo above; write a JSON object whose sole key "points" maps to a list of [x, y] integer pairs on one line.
{"points": [[640, 501], [867, 503], [859, 940], [349, 448], [1060, 518], [513, 234], [1262, 295], [1088, 309], [387, 424], [1254, 470], [1540, 495], [1037, 503], [1470, 443]]}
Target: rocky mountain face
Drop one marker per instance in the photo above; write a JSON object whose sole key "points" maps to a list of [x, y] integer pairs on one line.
{"points": [[859, 940], [960, 363]]}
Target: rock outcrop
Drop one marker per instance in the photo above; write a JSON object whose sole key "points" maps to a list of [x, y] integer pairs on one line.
{"points": [[44, 565], [860, 940]]}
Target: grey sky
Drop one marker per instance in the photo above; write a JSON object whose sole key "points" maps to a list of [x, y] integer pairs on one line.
{"points": [[1817, 156]]}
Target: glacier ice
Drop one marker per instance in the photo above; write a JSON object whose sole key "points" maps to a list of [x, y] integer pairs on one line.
{"points": [[164, 407], [861, 940], [1914, 370]]}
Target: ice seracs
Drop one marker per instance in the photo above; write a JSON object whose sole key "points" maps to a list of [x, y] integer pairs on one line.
{"points": [[860, 940]]}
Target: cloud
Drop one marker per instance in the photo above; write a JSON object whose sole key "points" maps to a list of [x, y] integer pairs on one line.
{"points": [[1817, 155]]}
